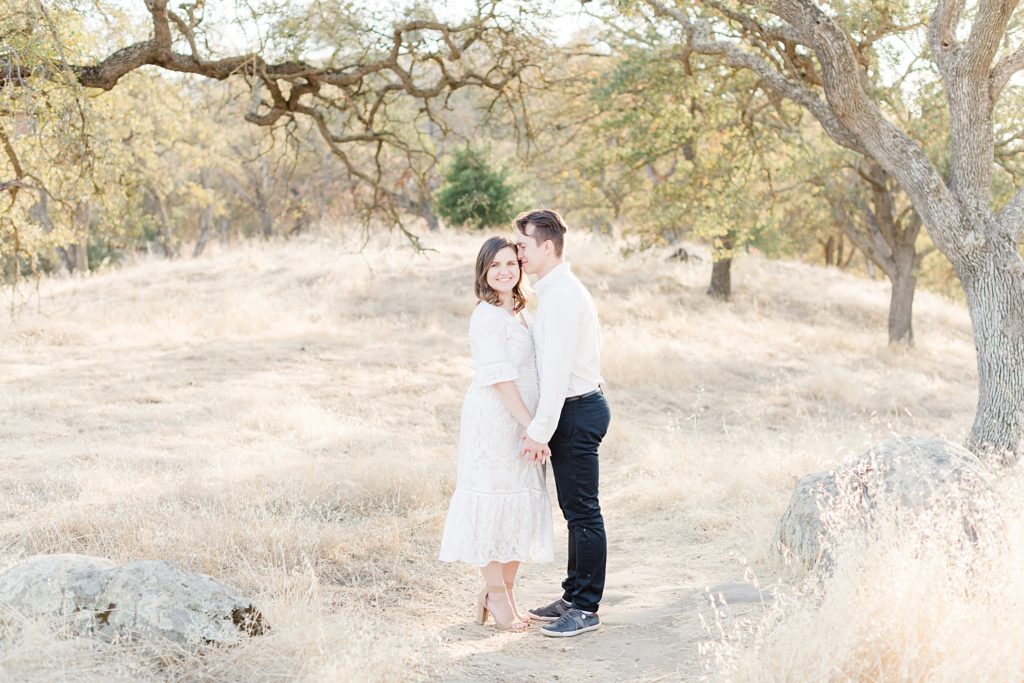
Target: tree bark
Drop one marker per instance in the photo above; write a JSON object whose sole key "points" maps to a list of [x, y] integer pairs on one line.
{"points": [[901, 310], [79, 250], [995, 299], [433, 224], [415, 198], [419, 205], [79, 253], [262, 189], [206, 217], [40, 212], [887, 240], [721, 279], [721, 269], [223, 230], [830, 250], [266, 223], [65, 264], [166, 234]]}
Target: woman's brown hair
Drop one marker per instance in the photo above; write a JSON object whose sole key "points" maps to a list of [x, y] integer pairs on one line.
{"points": [[484, 292]]}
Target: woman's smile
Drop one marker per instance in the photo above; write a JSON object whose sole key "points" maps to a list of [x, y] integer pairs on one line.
{"points": [[503, 273]]}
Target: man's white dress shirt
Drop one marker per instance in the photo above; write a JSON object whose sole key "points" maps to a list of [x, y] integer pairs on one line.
{"points": [[567, 336]]}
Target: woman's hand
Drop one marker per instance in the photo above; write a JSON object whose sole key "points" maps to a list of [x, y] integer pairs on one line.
{"points": [[535, 451]]}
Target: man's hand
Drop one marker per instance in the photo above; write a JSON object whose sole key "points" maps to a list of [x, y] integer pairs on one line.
{"points": [[534, 451]]}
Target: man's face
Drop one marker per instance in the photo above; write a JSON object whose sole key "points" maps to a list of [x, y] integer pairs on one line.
{"points": [[531, 254]]}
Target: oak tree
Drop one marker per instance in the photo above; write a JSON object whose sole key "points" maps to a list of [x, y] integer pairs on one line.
{"points": [[814, 55]]}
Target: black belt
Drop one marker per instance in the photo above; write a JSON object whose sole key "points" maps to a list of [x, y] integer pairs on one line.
{"points": [[586, 395]]}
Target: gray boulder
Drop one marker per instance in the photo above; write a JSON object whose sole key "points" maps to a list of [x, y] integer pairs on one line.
{"points": [[148, 600], [904, 480]]}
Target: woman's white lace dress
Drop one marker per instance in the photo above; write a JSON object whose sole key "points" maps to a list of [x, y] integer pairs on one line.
{"points": [[500, 510]]}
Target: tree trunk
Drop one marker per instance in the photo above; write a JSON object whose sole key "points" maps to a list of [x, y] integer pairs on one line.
{"points": [[65, 264], [721, 279], [901, 267], [166, 235], [432, 223], [263, 189], [79, 250], [888, 241], [419, 204], [423, 208], [830, 250], [849, 257], [205, 218], [995, 299], [266, 223], [721, 270], [40, 212], [79, 254], [901, 309], [223, 230], [955, 205], [205, 223]]}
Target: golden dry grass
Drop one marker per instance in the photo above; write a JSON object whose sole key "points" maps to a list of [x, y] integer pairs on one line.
{"points": [[284, 417]]}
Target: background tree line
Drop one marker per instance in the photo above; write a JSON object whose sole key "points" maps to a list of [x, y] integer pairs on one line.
{"points": [[876, 136]]}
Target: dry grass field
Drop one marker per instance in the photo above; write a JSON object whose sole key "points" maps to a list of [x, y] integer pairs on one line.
{"points": [[284, 418]]}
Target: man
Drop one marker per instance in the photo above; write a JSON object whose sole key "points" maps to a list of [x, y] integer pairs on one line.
{"points": [[571, 419]]}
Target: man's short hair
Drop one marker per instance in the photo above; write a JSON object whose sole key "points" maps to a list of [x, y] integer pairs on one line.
{"points": [[547, 225]]}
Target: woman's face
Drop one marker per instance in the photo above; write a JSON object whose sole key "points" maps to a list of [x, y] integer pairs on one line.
{"points": [[503, 273]]}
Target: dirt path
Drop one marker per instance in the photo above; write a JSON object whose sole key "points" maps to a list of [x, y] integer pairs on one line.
{"points": [[650, 631], [651, 620]]}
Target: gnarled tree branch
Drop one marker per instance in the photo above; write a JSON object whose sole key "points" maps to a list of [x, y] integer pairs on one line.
{"points": [[700, 40], [1004, 69], [420, 59], [850, 117]]}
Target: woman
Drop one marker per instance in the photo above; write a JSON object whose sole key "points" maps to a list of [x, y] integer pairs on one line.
{"points": [[500, 514]]}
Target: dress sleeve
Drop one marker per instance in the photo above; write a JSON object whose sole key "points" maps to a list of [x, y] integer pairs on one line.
{"points": [[488, 341]]}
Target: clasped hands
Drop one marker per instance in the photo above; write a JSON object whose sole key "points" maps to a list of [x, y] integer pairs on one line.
{"points": [[534, 451]]}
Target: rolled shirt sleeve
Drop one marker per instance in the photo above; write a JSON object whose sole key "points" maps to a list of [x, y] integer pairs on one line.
{"points": [[488, 341], [558, 328]]}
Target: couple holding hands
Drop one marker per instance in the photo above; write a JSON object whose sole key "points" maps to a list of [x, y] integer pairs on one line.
{"points": [[536, 396]]}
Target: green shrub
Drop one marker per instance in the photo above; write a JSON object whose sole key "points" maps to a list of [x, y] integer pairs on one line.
{"points": [[474, 194]]}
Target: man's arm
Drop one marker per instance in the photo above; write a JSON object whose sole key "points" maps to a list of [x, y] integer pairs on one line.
{"points": [[558, 326]]}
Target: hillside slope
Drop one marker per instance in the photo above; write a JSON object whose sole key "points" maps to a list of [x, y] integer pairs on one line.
{"points": [[284, 417]]}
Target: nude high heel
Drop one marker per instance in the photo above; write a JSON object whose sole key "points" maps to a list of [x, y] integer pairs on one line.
{"points": [[482, 611], [481, 607], [509, 587]]}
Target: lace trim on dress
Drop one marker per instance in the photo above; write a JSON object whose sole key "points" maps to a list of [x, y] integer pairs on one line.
{"points": [[502, 528]]}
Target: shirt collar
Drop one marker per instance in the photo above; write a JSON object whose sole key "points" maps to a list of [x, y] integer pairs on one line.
{"points": [[556, 273]]}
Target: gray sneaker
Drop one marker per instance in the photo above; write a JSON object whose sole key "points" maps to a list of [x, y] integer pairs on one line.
{"points": [[572, 623], [549, 612]]}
